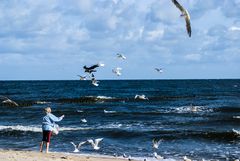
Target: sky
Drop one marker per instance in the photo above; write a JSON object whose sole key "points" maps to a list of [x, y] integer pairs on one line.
{"points": [[54, 39]]}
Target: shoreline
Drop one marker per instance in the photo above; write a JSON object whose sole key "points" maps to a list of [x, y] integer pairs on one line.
{"points": [[27, 155]]}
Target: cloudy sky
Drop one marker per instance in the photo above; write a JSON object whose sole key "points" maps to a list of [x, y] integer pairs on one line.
{"points": [[53, 39]]}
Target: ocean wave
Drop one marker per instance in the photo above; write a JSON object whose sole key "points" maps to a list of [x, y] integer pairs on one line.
{"points": [[33, 128], [106, 111], [192, 109]]}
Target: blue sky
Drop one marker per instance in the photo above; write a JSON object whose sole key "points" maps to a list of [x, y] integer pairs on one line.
{"points": [[53, 39]]}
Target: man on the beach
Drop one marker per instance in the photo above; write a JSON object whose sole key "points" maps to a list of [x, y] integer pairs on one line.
{"points": [[47, 127]]}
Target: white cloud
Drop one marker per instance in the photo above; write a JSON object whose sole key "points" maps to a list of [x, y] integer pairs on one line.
{"points": [[234, 28], [155, 34], [193, 57]]}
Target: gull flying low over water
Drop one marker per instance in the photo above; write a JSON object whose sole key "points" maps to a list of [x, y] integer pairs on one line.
{"points": [[156, 143], [8, 101], [92, 68], [83, 120], [141, 97], [82, 77], [117, 71], [77, 147], [184, 14], [95, 143], [121, 56], [95, 82]]}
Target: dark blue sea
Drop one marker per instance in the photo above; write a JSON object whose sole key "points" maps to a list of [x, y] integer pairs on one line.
{"points": [[194, 118]]}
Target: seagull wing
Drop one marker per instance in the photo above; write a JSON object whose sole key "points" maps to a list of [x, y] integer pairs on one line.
{"points": [[188, 24], [91, 142], [94, 66], [97, 141], [73, 144], [80, 144], [178, 6]]}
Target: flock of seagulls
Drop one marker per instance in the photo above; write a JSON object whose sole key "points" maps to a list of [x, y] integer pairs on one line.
{"points": [[117, 70], [94, 143]]}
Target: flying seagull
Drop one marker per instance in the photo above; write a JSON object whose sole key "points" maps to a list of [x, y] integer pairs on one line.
{"points": [[83, 120], [92, 68], [117, 71], [77, 147], [160, 70], [141, 97], [8, 101], [156, 143], [95, 143], [121, 56], [82, 77], [184, 14], [95, 82]]}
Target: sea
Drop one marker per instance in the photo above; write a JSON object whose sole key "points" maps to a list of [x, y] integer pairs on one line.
{"points": [[199, 119]]}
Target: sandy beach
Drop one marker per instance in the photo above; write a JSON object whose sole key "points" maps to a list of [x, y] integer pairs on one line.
{"points": [[12, 155]]}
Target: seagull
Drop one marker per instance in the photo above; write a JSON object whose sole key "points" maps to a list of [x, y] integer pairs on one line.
{"points": [[92, 68], [141, 97], [236, 131], [186, 159], [82, 77], [95, 82], [121, 56], [83, 120], [184, 14], [160, 70], [156, 143], [77, 147], [95, 143], [157, 156], [8, 101], [117, 71]]}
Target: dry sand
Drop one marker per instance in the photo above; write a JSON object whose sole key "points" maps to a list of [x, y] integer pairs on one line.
{"points": [[12, 155]]}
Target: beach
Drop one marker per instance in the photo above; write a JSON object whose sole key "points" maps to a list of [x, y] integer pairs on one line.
{"points": [[12, 155]]}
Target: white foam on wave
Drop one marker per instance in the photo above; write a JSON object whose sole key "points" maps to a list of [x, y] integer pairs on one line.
{"points": [[22, 128], [236, 131], [34, 128], [186, 109], [100, 97], [106, 111], [236, 117]]}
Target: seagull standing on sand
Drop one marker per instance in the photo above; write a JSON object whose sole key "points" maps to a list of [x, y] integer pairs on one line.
{"points": [[95, 143], [92, 68], [186, 159], [8, 101], [121, 56], [158, 157], [156, 143], [117, 71], [160, 70], [141, 97], [77, 147], [184, 14]]}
